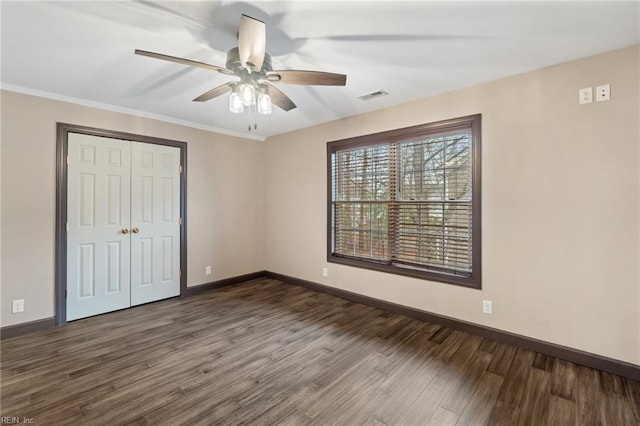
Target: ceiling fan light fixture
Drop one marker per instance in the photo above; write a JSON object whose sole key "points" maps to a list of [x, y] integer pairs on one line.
{"points": [[264, 103], [235, 103], [251, 64], [248, 94]]}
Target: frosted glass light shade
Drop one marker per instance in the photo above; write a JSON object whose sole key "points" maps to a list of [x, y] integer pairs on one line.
{"points": [[248, 94], [235, 103], [264, 103]]}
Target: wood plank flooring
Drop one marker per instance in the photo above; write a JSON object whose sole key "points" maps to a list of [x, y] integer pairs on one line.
{"points": [[266, 353]]}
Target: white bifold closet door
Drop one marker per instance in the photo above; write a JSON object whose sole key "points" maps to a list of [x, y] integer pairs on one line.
{"points": [[123, 224], [155, 218]]}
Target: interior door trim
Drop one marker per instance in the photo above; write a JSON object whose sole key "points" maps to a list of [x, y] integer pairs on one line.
{"points": [[63, 130]]}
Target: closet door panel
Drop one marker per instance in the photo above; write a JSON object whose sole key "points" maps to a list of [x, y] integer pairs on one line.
{"points": [[98, 211], [155, 221]]}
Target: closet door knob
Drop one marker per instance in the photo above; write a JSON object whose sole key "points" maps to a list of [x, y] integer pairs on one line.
{"points": [[135, 230], [124, 230]]}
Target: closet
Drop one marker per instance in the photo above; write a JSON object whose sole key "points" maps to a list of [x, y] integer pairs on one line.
{"points": [[123, 224]]}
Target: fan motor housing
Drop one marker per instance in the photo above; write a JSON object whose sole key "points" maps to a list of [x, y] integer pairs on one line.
{"points": [[233, 62]]}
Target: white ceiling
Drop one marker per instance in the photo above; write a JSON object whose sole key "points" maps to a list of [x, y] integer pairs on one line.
{"points": [[83, 51]]}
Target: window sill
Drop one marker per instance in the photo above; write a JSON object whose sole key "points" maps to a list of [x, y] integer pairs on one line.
{"points": [[469, 282]]}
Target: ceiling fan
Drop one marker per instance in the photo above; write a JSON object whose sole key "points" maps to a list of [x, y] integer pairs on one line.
{"points": [[250, 62]]}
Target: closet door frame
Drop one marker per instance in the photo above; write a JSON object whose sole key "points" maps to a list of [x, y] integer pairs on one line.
{"points": [[63, 130]]}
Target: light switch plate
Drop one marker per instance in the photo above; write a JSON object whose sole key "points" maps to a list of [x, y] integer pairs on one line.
{"points": [[603, 93]]}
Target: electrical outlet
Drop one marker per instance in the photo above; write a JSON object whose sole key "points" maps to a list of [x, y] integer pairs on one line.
{"points": [[603, 93], [325, 272], [207, 270], [17, 306], [586, 95], [487, 306]]}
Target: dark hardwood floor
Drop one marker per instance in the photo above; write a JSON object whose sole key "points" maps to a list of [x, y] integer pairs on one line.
{"points": [[265, 352]]}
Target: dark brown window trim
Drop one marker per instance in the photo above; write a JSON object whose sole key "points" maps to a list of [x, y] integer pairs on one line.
{"points": [[63, 130], [474, 121]]}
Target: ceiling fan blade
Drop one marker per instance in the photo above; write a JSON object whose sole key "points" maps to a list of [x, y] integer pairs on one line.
{"points": [[182, 61], [252, 40], [314, 78], [215, 92], [279, 99]]}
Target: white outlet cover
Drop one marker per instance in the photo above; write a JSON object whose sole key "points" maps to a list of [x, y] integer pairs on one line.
{"points": [[325, 272], [487, 307], [17, 306], [207, 270], [586, 95], [603, 93]]}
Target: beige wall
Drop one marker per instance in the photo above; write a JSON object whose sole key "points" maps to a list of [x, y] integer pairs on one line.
{"points": [[561, 213], [561, 203], [224, 217]]}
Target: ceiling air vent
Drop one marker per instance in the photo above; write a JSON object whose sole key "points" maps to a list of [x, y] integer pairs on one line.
{"points": [[372, 95]]}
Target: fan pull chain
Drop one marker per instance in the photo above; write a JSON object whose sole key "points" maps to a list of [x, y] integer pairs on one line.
{"points": [[254, 117]]}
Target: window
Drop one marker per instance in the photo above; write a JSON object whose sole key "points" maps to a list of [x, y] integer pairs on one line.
{"points": [[408, 201]]}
